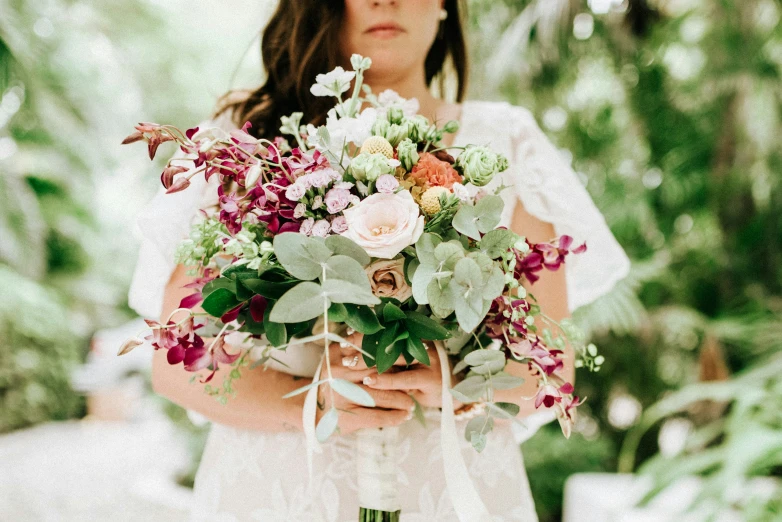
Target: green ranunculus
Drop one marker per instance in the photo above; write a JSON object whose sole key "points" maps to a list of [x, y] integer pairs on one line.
{"points": [[395, 115], [391, 131], [380, 127], [369, 167], [479, 164], [407, 152], [419, 128]]}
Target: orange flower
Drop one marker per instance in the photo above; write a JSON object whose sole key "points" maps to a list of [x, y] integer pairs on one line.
{"points": [[432, 172]]}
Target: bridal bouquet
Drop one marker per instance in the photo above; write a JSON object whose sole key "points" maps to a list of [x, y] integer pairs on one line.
{"points": [[367, 222]]}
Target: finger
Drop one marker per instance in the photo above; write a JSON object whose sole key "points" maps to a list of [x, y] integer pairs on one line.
{"points": [[413, 379], [353, 360], [356, 338], [374, 417], [391, 399], [340, 372]]}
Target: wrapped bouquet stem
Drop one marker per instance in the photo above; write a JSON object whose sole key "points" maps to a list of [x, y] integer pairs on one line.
{"points": [[376, 474]]}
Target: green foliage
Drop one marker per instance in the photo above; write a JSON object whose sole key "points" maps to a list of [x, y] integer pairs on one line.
{"points": [[38, 350], [672, 116]]}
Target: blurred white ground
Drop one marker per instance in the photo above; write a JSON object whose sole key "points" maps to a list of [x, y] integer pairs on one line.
{"points": [[93, 470]]}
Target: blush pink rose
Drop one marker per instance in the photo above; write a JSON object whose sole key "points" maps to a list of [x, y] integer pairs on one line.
{"points": [[384, 224], [387, 279]]}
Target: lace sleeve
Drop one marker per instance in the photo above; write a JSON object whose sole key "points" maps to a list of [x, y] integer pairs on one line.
{"points": [[550, 190], [161, 225]]}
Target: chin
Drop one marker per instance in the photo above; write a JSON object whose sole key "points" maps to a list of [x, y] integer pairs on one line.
{"points": [[387, 60]]}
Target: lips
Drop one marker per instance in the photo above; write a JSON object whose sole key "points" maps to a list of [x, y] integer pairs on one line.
{"points": [[385, 29]]}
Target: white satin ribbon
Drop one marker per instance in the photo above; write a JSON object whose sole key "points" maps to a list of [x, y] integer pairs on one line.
{"points": [[466, 502], [308, 417]]}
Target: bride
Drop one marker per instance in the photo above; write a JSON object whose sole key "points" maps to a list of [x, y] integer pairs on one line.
{"points": [[254, 466]]}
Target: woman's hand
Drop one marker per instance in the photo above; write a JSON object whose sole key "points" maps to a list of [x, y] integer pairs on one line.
{"points": [[422, 382], [392, 407]]}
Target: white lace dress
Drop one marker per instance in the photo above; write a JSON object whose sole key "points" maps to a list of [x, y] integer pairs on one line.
{"points": [[248, 475]]}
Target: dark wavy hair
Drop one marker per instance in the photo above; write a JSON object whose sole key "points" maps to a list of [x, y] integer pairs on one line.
{"points": [[302, 41]]}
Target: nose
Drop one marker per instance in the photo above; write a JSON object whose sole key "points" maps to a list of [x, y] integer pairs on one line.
{"points": [[380, 3]]}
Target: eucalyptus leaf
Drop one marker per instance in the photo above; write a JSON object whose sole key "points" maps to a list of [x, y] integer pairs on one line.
{"points": [[496, 242], [467, 273], [300, 255], [466, 221], [505, 381], [303, 302], [503, 410], [488, 211], [459, 396], [327, 425], [353, 392], [424, 248], [469, 308], [494, 284], [477, 429], [478, 441], [473, 387], [344, 268], [486, 362], [424, 275], [303, 389], [339, 291], [448, 254], [340, 245], [440, 298]]}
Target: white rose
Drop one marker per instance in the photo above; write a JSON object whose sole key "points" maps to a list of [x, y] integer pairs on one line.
{"points": [[384, 224]]}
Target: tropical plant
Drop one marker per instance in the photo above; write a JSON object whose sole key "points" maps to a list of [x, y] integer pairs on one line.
{"points": [[670, 112]]}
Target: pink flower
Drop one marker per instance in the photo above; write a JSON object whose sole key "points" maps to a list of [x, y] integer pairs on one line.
{"points": [[332, 174], [386, 184], [306, 226], [337, 200], [201, 357], [339, 225], [299, 211], [295, 192], [554, 256], [321, 228], [321, 178], [566, 415], [548, 394], [384, 224]]}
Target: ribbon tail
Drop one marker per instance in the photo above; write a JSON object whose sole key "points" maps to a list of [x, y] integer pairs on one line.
{"points": [[466, 502], [308, 423]]}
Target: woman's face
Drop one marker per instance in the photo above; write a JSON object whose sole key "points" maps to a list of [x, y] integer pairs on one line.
{"points": [[396, 34]]}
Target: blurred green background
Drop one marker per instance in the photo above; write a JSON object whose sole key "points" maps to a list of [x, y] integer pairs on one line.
{"points": [[670, 110]]}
